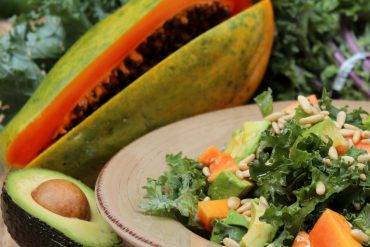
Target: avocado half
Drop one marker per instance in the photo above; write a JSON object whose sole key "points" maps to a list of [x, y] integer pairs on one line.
{"points": [[31, 225]]}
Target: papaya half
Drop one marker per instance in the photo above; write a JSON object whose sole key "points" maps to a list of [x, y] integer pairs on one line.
{"points": [[150, 63]]}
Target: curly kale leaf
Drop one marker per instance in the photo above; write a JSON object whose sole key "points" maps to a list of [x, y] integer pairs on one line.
{"points": [[287, 171], [176, 193]]}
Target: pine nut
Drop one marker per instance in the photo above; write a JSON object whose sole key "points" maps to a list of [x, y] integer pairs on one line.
{"points": [[361, 166], [247, 218], [247, 213], [365, 134], [341, 118], [349, 224], [245, 207], [364, 158], [275, 127], [351, 127], [320, 188], [347, 132], [348, 159], [337, 125], [206, 199], [274, 116], [315, 110], [264, 201], [312, 119], [357, 206], [359, 235], [326, 161], [365, 141], [363, 177], [281, 125], [206, 171], [228, 242], [271, 245], [247, 160], [333, 154], [350, 143], [325, 113], [305, 104], [290, 116], [244, 201], [306, 126], [282, 121], [233, 202], [356, 137], [242, 174]]}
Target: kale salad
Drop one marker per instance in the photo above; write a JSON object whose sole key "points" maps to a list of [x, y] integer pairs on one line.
{"points": [[299, 177]]}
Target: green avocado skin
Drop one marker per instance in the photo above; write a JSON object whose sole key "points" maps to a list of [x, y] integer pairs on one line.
{"points": [[30, 231], [32, 225]]}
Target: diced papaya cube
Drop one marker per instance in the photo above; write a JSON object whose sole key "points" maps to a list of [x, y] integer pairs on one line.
{"points": [[211, 210], [332, 230], [209, 156], [224, 162]]}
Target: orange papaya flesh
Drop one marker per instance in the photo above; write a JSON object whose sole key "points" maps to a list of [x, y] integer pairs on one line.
{"points": [[363, 146], [311, 98], [209, 156], [217, 162], [332, 230], [360, 145], [59, 117], [211, 210], [301, 240], [68, 106], [149, 102]]}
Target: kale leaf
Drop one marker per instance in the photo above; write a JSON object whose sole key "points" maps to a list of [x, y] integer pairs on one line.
{"points": [[176, 193]]}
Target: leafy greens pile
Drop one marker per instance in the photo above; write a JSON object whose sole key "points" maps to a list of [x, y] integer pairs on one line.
{"points": [[42, 31], [287, 175], [176, 193], [313, 38]]}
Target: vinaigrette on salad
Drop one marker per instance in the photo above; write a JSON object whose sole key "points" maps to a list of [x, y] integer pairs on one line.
{"points": [[299, 177]]}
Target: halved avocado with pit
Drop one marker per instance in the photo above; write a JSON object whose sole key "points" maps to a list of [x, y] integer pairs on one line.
{"points": [[150, 63], [32, 225]]}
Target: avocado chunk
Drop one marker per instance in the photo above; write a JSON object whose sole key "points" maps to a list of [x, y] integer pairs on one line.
{"points": [[236, 219], [234, 226], [32, 225], [325, 129], [227, 184], [245, 140], [259, 232]]}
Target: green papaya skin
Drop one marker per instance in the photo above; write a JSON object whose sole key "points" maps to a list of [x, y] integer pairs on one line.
{"points": [[220, 68]]}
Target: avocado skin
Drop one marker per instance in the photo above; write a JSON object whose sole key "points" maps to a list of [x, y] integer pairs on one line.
{"points": [[39, 234]]}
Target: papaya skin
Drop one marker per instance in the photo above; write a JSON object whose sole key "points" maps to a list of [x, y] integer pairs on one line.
{"points": [[226, 64]]}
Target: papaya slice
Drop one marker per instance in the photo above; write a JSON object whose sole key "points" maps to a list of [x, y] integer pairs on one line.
{"points": [[135, 71]]}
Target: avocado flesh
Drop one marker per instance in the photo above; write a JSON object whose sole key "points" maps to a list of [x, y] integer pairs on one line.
{"points": [[32, 225], [245, 140], [259, 232], [325, 129], [227, 184]]}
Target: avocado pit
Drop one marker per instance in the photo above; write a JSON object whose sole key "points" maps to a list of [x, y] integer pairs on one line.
{"points": [[63, 198]]}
